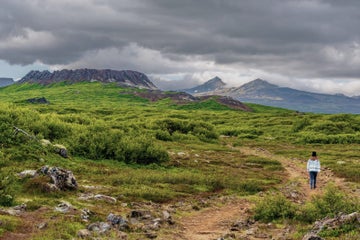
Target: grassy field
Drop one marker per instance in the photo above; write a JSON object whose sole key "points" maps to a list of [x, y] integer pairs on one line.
{"points": [[138, 151]]}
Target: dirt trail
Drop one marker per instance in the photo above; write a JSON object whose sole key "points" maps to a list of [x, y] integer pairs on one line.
{"points": [[296, 170], [214, 222]]}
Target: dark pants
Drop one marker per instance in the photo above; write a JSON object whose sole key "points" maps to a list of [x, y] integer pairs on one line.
{"points": [[313, 179]]}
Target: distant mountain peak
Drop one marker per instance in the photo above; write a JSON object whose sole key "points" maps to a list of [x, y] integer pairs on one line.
{"points": [[213, 84], [124, 77], [215, 80], [259, 83], [6, 82]]}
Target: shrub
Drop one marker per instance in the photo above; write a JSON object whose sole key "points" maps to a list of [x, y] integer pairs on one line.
{"points": [[228, 131], [333, 202], [7, 189], [330, 204], [140, 150], [301, 124], [98, 142], [163, 135], [204, 131], [273, 207], [328, 127]]}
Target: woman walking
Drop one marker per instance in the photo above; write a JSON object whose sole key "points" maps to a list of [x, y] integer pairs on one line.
{"points": [[313, 167]]}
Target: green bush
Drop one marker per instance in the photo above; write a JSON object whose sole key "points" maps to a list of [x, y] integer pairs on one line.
{"points": [[329, 139], [274, 206], [204, 131], [332, 202], [163, 135], [301, 124], [329, 127], [99, 142], [7, 192], [230, 131]]}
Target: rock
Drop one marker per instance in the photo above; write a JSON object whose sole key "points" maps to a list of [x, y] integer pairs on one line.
{"points": [[10, 212], [331, 223], [85, 214], [40, 100], [21, 207], [105, 198], [99, 227], [27, 173], [14, 211], [60, 149], [62, 179], [114, 219], [84, 233], [167, 217], [143, 214], [42, 225], [122, 223], [63, 207]]}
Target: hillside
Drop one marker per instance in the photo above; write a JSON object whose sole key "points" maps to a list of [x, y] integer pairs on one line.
{"points": [[159, 169], [261, 92]]}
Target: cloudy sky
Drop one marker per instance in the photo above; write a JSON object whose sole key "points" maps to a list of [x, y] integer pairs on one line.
{"points": [[311, 45]]}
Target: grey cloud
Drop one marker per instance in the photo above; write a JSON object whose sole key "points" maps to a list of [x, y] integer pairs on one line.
{"points": [[286, 37]]}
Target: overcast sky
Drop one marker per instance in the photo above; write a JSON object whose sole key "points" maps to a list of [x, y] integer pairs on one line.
{"points": [[311, 45]]}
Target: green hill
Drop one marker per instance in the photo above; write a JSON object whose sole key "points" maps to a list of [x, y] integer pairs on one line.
{"points": [[137, 150]]}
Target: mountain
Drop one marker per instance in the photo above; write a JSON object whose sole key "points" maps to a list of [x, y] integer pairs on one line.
{"points": [[124, 78], [213, 84], [262, 92], [6, 82]]}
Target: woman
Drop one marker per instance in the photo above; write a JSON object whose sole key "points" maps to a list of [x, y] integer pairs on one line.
{"points": [[313, 167]]}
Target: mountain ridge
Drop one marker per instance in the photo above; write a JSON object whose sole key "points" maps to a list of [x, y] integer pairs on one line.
{"points": [[260, 91], [213, 84], [123, 77]]}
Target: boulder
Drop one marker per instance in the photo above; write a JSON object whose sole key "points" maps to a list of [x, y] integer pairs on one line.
{"points": [[105, 198], [116, 220], [62, 179], [27, 173], [99, 227], [84, 233], [61, 150], [63, 207], [86, 214]]}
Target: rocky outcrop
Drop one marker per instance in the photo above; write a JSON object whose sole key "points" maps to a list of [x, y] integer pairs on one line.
{"points": [[332, 223], [124, 78], [40, 100], [62, 179]]}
